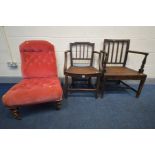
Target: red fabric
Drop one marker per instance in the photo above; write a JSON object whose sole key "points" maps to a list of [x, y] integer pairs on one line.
{"points": [[34, 90], [40, 83], [38, 59]]}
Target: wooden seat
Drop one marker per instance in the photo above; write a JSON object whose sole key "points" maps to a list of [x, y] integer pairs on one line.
{"points": [[122, 73], [117, 54], [79, 70], [88, 71]]}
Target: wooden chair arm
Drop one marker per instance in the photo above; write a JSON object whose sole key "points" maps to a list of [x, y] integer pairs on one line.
{"points": [[141, 70], [96, 52], [137, 52], [103, 61], [65, 60]]}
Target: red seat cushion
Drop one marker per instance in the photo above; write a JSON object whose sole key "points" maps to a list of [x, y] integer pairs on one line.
{"points": [[33, 91]]}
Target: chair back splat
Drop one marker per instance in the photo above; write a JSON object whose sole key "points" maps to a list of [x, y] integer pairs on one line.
{"points": [[117, 50], [82, 52]]}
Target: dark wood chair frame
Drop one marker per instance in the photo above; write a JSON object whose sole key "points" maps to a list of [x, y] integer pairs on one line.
{"points": [[74, 76], [141, 77]]}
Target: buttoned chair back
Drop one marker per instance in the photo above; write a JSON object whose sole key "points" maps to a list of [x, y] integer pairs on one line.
{"points": [[38, 59]]}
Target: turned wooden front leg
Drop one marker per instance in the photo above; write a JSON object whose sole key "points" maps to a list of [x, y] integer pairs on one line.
{"points": [[15, 112], [58, 105]]}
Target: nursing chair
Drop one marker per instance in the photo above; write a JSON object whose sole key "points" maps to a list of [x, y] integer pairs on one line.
{"points": [[117, 56], [40, 82]]}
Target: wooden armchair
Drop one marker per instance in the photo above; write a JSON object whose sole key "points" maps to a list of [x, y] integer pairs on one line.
{"points": [[116, 69], [81, 67]]}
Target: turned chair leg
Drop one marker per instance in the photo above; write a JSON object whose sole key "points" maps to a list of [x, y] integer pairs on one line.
{"points": [[97, 86], [58, 105], [140, 87], [15, 112], [66, 87]]}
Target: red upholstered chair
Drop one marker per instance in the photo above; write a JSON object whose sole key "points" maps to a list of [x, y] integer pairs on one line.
{"points": [[40, 82]]}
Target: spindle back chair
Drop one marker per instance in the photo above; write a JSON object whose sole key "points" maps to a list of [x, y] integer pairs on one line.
{"points": [[117, 51], [81, 66]]}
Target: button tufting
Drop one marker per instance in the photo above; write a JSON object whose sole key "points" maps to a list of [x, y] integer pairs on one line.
{"points": [[40, 83], [39, 64]]}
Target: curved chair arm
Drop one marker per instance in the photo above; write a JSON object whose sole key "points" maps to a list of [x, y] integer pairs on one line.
{"points": [[141, 70], [103, 61], [65, 61]]}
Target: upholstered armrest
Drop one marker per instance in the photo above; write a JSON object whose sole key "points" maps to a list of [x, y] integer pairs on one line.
{"points": [[103, 61], [141, 70], [65, 60]]}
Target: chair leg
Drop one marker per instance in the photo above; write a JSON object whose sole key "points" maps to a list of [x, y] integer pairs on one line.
{"points": [[118, 82], [102, 79], [15, 112], [89, 81], [97, 86], [140, 87], [58, 105], [73, 82], [66, 87]]}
